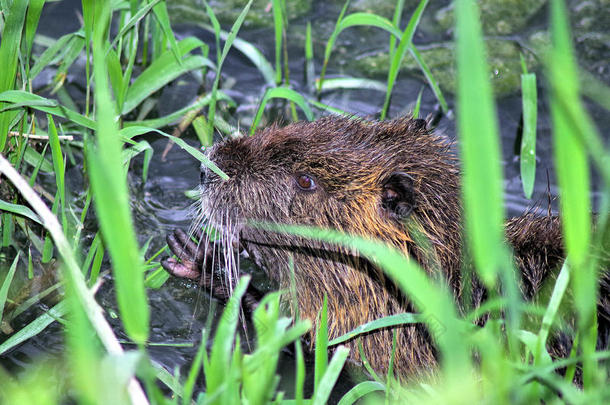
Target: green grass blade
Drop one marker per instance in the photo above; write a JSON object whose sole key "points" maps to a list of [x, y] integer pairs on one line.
{"points": [[353, 20], [322, 393], [51, 55], [19, 210], [59, 168], [162, 71], [130, 132], [278, 26], [385, 322], [435, 302], [7, 283], [34, 328], [9, 55], [573, 177], [222, 347], [418, 104], [561, 285], [480, 149], [74, 49], [193, 373], [309, 62], [397, 56], [345, 83], [321, 349], [178, 115], [225, 51], [39, 103], [285, 93], [134, 21], [528, 139], [111, 197], [31, 23], [299, 381], [360, 391], [429, 78], [570, 156], [400, 5], [160, 10]]}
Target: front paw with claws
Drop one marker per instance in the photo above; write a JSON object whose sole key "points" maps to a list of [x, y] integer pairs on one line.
{"points": [[197, 261], [191, 257]]}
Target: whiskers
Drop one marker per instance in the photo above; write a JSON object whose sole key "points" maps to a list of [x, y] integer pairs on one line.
{"points": [[216, 229]]}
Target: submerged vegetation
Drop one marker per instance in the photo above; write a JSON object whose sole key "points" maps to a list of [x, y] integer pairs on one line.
{"points": [[54, 245]]}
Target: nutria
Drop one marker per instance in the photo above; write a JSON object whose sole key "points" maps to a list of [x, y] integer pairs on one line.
{"points": [[394, 180]]}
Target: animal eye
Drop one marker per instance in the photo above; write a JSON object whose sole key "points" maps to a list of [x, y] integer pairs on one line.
{"points": [[306, 182]]}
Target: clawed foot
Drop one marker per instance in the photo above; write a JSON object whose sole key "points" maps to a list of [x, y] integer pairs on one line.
{"points": [[195, 261], [190, 256]]}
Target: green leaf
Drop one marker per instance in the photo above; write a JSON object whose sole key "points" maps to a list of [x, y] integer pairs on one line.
{"points": [[34, 328], [321, 349], [361, 390], [385, 322], [528, 139], [345, 83], [429, 78], [285, 93], [31, 23], [160, 10], [130, 132], [7, 283], [352, 20], [322, 393], [479, 146], [36, 102], [225, 51], [397, 57], [215, 369], [561, 285], [19, 210], [162, 71], [9, 55], [572, 167], [58, 166], [110, 193]]}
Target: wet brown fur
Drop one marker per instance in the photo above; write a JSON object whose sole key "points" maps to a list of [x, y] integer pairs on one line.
{"points": [[350, 160]]}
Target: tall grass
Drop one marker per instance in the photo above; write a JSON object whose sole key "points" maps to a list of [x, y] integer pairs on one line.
{"points": [[504, 361]]}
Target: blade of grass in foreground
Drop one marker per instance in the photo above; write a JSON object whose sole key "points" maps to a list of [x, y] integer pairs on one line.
{"points": [[321, 349], [479, 146], [573, 176], [328, 381], [361, 390], [385, 322], [215, 368], [109, 188]]}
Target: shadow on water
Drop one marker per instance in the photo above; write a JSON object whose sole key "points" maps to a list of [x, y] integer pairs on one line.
{"points": [[179, 309]]}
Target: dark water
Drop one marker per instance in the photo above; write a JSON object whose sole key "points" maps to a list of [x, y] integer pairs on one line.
{"points": [[179, 310]]}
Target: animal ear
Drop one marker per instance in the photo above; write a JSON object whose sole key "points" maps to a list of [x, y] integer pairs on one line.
{"points": [[398, 196]]}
